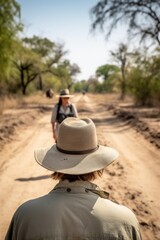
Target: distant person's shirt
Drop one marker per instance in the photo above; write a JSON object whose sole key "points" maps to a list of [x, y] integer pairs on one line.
{"points": [[73, 211], [71, 110]]}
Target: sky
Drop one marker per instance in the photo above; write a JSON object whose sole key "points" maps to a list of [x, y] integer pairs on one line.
{"points": [[69, 22]]}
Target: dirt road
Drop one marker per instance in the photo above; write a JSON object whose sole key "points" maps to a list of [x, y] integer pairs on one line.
{"points": [[133, 180]]}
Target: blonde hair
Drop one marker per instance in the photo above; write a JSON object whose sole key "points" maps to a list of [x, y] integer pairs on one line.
{"points": [[83, 177]]}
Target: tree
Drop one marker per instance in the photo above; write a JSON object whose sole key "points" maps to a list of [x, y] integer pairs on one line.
{"points": [[9, 27], [142, 17], [93, 84], [105, 71], [66, 71], [144, 78], [121, 57], [51, 52], [42, 46], [81, 86], [28, 65], [51, 55], [108, 74], [73, 70]]}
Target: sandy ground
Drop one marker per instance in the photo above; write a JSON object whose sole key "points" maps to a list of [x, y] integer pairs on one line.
{"points": [[133, 180]]}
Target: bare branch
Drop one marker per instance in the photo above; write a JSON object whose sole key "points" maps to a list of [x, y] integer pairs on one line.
{"points": [[142, 17]]}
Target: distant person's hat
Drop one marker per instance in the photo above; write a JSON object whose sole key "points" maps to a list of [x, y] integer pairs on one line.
{"points": [[64, 93], [77, 150]]}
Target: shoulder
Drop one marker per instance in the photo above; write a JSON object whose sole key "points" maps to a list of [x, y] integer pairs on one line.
{"points": [[73, 106], [119, 213], [127, 212], [54, 109], [55, 106], [29, 207], [121, 219]]}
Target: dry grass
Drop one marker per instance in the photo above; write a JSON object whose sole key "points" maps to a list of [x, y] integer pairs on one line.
{"points": [[8, 102], [39, 98], [11, 102], [110, 99]]}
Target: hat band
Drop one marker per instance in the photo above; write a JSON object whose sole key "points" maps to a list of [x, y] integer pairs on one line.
{"points": [[63, 94], [77, 152]]}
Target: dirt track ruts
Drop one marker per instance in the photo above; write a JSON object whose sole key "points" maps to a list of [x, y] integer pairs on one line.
{"points": [[133, 180]]}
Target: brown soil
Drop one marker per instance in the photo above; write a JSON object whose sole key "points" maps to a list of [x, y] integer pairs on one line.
{"points": [[133, 180]]}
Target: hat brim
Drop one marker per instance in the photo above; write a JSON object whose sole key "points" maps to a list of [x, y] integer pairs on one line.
{"points": [[64, 96], [56, 161]]}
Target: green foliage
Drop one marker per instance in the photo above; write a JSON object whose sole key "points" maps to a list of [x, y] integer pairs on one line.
{"points": [[155, 76], [52, 54], [105, 71], [65, 72], [28, 66], [122, 56], [81, 86], [155, 91], [144, 81], [51, 82], [9, 27], [42, 46], [139, 86], [63, 75], [108, 74], [38, 64]]}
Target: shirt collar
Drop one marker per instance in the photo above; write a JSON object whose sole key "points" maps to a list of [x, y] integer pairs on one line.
{"points": [[80, 186], [77, 184]]}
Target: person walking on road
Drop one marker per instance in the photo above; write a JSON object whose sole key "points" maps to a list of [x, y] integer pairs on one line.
{"points": [[76, 208], [63, 109]]}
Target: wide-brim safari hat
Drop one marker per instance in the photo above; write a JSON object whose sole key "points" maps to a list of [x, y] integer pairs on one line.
{"points": [[64, 93], [77, 150]]}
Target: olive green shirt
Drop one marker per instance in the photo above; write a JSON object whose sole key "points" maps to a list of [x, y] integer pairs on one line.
{"points": [[73, 211]]}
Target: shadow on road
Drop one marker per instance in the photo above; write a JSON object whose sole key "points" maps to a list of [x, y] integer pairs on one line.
{"points": [[33, 178]]}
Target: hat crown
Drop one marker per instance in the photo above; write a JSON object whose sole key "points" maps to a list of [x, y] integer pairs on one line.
{"points": [[77, 135], [64, 92]]}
